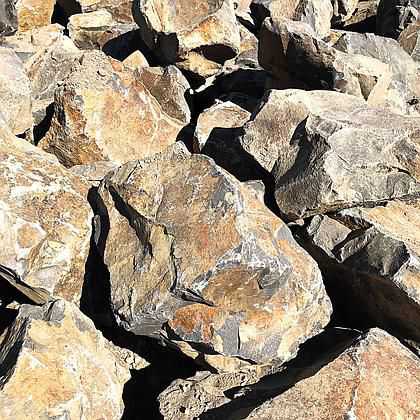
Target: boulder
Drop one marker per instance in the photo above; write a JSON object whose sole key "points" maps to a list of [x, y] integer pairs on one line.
{"points": [[55, 364], [335, 153], [375, 252], [121, 10], [198, 36], [361, 383], [409, 39], [136, 60], [45, 219], [205, 263], [88, 125], [15, 92]]}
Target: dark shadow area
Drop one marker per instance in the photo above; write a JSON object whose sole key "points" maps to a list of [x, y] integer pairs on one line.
{"points": [[125, 44], [366, 26], [63, 9], [9, 294], [217, 53], [7, 316], [311, 358], [41, 129]]}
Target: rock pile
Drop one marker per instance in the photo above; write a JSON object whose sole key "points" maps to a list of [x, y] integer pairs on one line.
{"points": [[210, 209]]}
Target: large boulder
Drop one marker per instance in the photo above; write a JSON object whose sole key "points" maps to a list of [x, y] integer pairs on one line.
{"points": [[45, 219], [88, 123], [197, 35], [205, 263], [15, 92], [55, 364], [375, 378]]}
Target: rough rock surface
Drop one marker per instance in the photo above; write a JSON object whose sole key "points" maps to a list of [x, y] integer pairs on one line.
{"points": [[88, 126], [55, 364], [409, 39], [15, 92], [249, 276], [362, 383], [121, 10], [45, 219]]}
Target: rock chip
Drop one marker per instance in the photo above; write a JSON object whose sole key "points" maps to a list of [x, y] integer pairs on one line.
{"points": [[15, 92], [205, 263], [88, 123], [45, 219], [375, 378], [199, 36], [55, 364]]}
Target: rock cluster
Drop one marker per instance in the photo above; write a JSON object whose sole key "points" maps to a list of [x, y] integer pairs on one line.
{"points": [[210, 209]]}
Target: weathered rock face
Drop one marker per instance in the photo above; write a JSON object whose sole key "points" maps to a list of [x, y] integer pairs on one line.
{"points": [[45, 219], [136, 61], [198, 35], [409, 39], [343, 10], [15, 92], [65, 366], [88, 126], [395, 15], [24, 15], [292, 48], [204, 260], [377, 253], [361, 383], [121, 10], [339, 158]]}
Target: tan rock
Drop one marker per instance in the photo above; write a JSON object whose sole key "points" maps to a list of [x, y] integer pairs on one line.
{"points": [[15, 92], [409, 39], [121, 10], [54, 363], [104, 111], [205, 260], [375, 378], [45, 219], [136, 61]]}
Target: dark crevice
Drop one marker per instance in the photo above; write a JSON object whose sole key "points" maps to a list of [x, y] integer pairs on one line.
{"points": [[42, 128], [63, 9]]}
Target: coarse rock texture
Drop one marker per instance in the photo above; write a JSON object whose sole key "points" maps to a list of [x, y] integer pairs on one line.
{"points": [[121, 10], [292, 48], [55, 364], [395, 15], [376, 252], [335, 158], [24, 15], [409, 39], [362, 383], [252, 294], [136, 60], [45, 219], [88, 124], [198, 35], [15, 92]]}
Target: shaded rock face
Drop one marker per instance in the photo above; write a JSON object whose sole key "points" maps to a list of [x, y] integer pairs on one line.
{"points": [[65, 366], [409, 39], [15, 92], [377, 255], [45, 219], [198, 35], [88, 126], [204, 261]]}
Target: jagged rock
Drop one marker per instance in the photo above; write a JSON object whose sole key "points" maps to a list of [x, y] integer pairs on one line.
{"points": [[343, 10], [395, 15], [316, 13], [199, 36], [225, 115], [205, 263], [55, 364], [409, 39], [95, 29], [339, 158], [24, 15], [45, 219], [94, 172], [136, 60], [104, 111], [15, 92], [375, 378], [292, 48], [377, 255], [405, 80], [363, 16], [121, 10]]}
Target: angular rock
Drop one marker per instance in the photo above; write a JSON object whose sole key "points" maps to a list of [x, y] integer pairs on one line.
{"points": [[198, 36], [395, 15], [341, 158], [121, 10], [65, 366], [409, 39], [343, 10], [15, 92], [363, 16], [363, 383], [206, 262], [105, 111], [94, 172], [136, 61], [45, 219], [375, 252]]}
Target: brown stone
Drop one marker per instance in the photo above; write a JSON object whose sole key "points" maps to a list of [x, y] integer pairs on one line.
{"points": [[409, 39]]}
